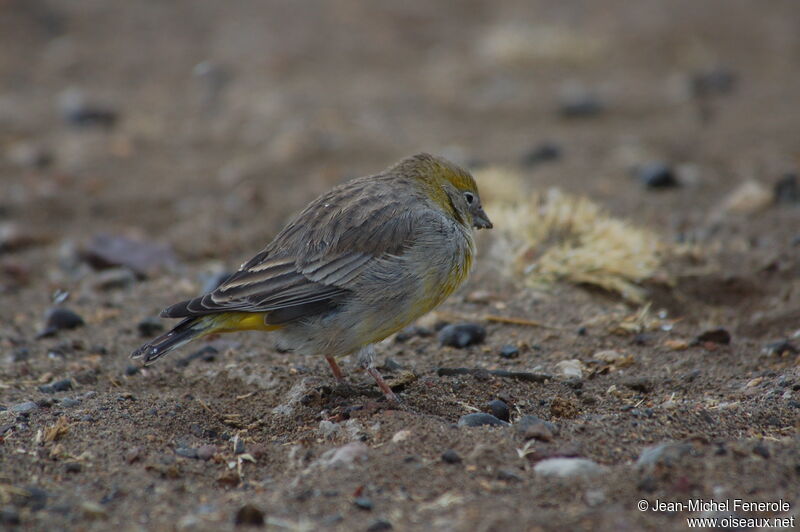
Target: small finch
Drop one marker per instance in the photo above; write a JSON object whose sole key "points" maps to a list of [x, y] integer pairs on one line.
{"points": [[358, 264]]}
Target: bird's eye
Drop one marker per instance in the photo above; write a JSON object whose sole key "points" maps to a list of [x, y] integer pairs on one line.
{"points": [[469, 196]]}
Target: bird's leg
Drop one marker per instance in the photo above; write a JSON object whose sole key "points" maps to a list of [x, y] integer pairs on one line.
{"points": [[366, 359], [337, 372]]}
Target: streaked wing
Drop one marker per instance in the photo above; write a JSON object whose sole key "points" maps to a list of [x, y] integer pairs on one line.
{"points": [[309, 265]]}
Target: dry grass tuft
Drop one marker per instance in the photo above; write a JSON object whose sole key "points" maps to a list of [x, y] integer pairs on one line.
{"points": [[551, 236]]}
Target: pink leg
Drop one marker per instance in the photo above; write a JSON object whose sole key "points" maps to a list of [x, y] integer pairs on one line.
{"points": [[383, 386], [337, 372]]}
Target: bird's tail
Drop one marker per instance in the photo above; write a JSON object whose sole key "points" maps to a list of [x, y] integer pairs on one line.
{"points": [[186, 331]]}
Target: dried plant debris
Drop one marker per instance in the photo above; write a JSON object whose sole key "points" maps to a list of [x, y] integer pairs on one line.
{"points": [[551, 236]]}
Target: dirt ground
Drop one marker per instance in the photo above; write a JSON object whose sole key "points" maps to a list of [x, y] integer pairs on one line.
{"points": [[202, 125]]}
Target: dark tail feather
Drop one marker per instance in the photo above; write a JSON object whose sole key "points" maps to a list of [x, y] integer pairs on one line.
{"points": [[184, 332]]}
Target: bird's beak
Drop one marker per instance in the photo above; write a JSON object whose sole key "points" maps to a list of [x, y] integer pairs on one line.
{"points": [[480, 220]]}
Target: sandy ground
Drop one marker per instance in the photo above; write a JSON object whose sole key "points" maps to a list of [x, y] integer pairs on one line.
{"points": [[201, 126]]}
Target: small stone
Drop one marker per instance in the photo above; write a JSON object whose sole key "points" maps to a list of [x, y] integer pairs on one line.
{"points": [[499, 409], [639, 384], [24, 408], [787, 190], [609, 356], [578, 102], [186, 452], [748, 198], [761, 450], [57, 386], [59, 318], [249, 514], [462, 335], [93, 511], [72, 467], [568, 468], [344, 455], [657, 175], [133, 454], [410, 332], [781, 347], [480, 419], [401, 435], [131, 370], [9, 516], [380, 525], [328, 429], [20, 354], [68, 402], [532, 427], [113, 279], [29, 155], [571, 369], [716, 336], [364, 503], [206, 452], [238, 445], [149, 327], [509, 351], [663, 454], [206, 354], [544, 152], [451, 457]]}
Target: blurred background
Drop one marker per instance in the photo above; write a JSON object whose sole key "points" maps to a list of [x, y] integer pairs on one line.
{"points": [[205, 124]]}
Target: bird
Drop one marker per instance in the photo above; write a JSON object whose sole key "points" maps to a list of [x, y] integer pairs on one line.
{"points": [[358, 264]]}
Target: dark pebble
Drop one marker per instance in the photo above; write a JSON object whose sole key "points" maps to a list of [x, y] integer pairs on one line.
{"points": [[498, 409], [761, 450], [80, 113], [657, 175], [20, 354], [508, 475], [59, 318], [238, 447], [480, 419], [716, 81], [451, 457], [391, 365], [780, 347], [716, 336], [462, 335], [206, 354], [542, 153], [379, 525], [68, 402], [249, 514], [580, 105], [131, 370], [186, 452], [149, 327], [57, 386], [72, 467], [638, 384], [410, 332], [24, 408], [9, 516], [364, 503], [36, 499], [509, 351], [47, 402], [532, 427], [787, 190]]}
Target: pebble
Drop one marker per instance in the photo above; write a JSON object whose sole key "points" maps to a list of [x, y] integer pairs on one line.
{"points": [[328, 429], [542, 153], [577, 102], [787, 190], [133, 454], [77, 110], [249, 514], [238, 445], [24, 408], [68, 402], [9, 516], [36, 498], [401, 435], [380, 525], [113, 279], [571, 369], [568, 468], [609, 356], [344, 455], [59, 318], [206, 354], [364, 503], [410, 332], [716, 336], [715, 81], [141, 257], [451, 457], [509, 351], [532, 427], [748, 198], [657, 175], [29, 155], [498, 409], [131, 370], [638, 384], [662, 454], [72, 467], [92, 511], [186, 452], [761, 450], [206, 452], [480, 419], [62, 385], [462, 335], [20, 354], [780, 347]]}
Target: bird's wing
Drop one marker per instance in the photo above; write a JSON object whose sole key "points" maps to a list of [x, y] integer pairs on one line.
{"points": [[311, 263]]}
